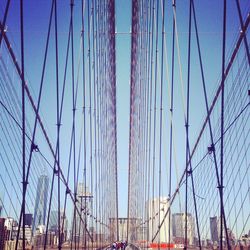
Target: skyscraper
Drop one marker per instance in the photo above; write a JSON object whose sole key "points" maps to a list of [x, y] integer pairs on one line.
{"points": [[2, 233], [83, 196], [156, 209], [28, 220], [41, 201], [178, 220], [53, 224], [53, 221], [214, 229]]}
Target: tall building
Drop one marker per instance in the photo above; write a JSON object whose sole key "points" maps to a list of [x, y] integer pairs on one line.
{"points": [[2, 233], [53, 223], [53, 220], [41, 202], [28, 234], [28, 219], [79, 234], [10, 226], [214, 229], [156, 210], [178, 220]]}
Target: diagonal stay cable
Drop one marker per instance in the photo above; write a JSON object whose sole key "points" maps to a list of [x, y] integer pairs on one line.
{"points": [[242, 28], [4, 21], [220, 184], [24, 181]]}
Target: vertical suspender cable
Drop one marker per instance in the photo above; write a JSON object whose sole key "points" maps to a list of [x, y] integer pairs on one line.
{"points": [[149, 109], [222, 215], [146, 95], [97, 197], [134, 17], [84, 109], [115, 117], [50, 200], [146, 38], [161, 107], [58, 129], [23, 119], [187, 122], [94, 110], [171, 124], [151, 100], [141, 125], [90, 122], [155, 111], [71, 139], [101, 110]]}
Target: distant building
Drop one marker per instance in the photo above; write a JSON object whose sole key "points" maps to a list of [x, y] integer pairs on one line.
{"points": [[156, 210], [231, 237], [136, 231], [53, 224], [245, 240], [214, 229], [41, 202], [11, 227], [39, 239], [53, 220], [178, 220], [80, 234], [28, 234], [2, 233], [9, 223], [28, 219]]}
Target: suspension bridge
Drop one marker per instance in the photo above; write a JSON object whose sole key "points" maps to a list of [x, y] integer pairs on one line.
{"points": [[79, 170]]}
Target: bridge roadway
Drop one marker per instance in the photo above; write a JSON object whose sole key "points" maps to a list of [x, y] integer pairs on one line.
{"points": [[133, 247]]}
